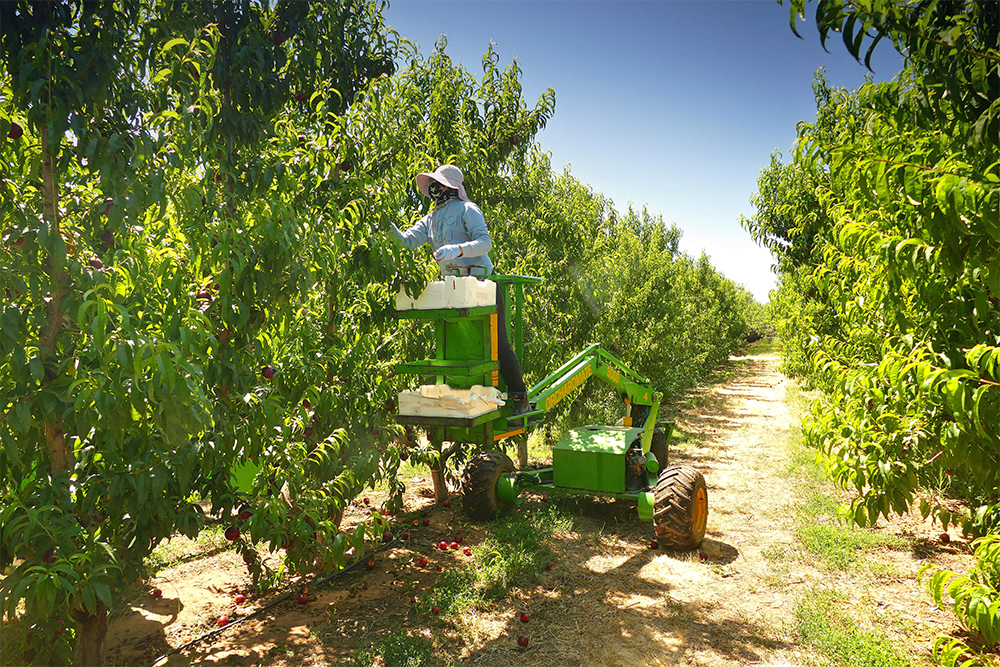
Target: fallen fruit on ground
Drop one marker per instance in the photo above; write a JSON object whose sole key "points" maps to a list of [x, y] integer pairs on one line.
{"points": [[549, 566], [446, 503], [303, 598], [421, 562], [442, 545], [427, 522], [467, 551], [157, 593], [524, 617], [370, 564], [222, 621], [440, 568], [435, 610], [240, 599], [453, 546], [365, 501], [416, 522], [945, 538], [653, 544], [522, 641], [405, 535], [702, 555]]}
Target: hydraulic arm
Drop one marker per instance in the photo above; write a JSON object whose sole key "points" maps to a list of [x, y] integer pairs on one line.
{"points": [[594, 360]]}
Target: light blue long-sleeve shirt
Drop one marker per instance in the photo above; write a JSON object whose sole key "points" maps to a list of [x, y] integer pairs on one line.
{"points": [[459, 222]]}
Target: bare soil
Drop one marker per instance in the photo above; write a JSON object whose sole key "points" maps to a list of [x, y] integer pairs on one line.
{"points": [[610, 599]]}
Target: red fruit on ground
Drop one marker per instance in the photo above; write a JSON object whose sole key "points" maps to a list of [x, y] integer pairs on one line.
{"points": [[427, 522], [440, 568], [421, 562], [702, 555], [653, 544], [416, 523], [365, 501], [945, 538], [435, 610], [453, 546], [370, 564], [446, 503], [223, 620], [549, 566], [405, 535], [303, 598], [524, 617], [387, 536], [522, 641], [458, 538], [232, 533], [467, 551], [442, 545], [240, 599], [157, 593]]}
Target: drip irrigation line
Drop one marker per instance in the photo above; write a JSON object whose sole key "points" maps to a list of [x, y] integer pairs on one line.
{"points": [[316, 583]]}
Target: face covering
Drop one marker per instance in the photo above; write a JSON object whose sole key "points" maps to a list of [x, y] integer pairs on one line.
{"points": [[441, 194]]}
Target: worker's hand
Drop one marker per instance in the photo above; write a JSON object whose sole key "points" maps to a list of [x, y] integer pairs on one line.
{"points": [[447, 252]]}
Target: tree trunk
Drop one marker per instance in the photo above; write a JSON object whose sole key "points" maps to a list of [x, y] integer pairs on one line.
{"points": [[54, 437], [90, 633], [440, 486]]}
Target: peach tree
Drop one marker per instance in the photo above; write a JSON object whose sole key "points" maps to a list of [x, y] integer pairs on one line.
{"points": [[153, 273]]}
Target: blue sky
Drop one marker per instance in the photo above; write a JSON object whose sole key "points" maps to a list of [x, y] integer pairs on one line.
{"points": [[672, 104]]}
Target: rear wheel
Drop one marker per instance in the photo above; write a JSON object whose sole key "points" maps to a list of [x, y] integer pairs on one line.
{"points": [[680, 509], [479, 484]]}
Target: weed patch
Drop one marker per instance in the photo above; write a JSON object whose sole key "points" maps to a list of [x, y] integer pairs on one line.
{"points": [[514, 554], [839, 637]]}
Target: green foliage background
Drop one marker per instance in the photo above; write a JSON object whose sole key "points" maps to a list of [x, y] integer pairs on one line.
{"points": [[886, 229]]}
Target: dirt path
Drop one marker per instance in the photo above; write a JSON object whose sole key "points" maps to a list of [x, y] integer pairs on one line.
{"points": [[610, 600]]}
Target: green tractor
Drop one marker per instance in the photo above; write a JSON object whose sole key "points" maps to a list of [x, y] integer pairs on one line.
{"points": [[626, 461]]}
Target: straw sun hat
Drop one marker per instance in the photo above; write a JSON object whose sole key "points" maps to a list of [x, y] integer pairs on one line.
{"points": [[447, 175]]}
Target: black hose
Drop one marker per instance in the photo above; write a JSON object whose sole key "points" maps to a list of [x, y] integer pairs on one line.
{"points": [[273, 603]]}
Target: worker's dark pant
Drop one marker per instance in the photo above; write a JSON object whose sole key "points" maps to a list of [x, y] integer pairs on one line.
{"points": [[510, 368]]}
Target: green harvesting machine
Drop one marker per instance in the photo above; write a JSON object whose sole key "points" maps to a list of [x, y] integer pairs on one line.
{"points": [[627, 461]]}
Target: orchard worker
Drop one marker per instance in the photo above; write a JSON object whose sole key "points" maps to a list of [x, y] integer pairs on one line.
{"points": [[456, 230]]}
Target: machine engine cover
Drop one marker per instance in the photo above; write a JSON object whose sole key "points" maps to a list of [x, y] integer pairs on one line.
{"points": [[592, 458]]}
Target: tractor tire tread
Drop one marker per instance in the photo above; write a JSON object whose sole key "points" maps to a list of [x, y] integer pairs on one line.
{"points": [[674, 509], [479, 482]]}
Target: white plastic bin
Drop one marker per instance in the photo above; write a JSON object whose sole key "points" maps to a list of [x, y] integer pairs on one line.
{"points": [[451, 292], [440, 400]]}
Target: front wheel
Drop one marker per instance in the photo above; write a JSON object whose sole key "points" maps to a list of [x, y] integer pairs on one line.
{"points": [[680, 508], [479, 485]]}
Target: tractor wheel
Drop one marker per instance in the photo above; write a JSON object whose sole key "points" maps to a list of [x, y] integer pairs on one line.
{"points": [[659, 447], [479, 484], [680, 508]]}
